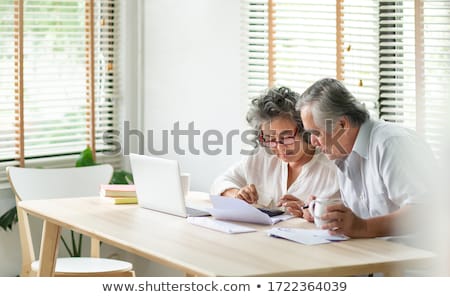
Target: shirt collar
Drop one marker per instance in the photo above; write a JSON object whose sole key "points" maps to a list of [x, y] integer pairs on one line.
{"points": [[362, 142]]}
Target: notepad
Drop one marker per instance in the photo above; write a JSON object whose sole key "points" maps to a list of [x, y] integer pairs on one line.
{"points": [[217, 225], [120, 200], [110, 190]]}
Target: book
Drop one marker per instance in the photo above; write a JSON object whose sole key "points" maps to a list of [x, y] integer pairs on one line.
{"points": [[120, 200], [118, 190]]}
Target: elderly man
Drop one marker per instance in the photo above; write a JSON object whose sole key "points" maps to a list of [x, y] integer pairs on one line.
{"points": [[383, 168]]}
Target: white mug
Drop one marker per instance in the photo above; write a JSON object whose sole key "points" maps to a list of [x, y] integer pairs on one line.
{"points": [[185, 183], [318, 208]]}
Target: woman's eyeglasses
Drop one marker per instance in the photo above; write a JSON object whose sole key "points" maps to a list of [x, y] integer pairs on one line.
{"points": [[286, 140]]}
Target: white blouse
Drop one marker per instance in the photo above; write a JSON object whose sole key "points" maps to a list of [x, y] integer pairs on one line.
{"points": [[270, 174]]}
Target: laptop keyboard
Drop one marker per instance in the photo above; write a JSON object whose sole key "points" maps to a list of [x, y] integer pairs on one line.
{"points": [[271, 211], [193, 212]]}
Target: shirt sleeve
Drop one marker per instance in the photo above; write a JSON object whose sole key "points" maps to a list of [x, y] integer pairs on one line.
{"points": [[234, 177], [406, 167]]}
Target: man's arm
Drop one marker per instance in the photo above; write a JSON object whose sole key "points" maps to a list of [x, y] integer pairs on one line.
{"points": [[344, 221]]}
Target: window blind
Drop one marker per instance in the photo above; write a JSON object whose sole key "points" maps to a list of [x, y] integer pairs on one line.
{"points": [[397, 66], [393, 55], [8, 85], [415, 66], [361, 51], [57, 68], [295, 43], [302, 36]]}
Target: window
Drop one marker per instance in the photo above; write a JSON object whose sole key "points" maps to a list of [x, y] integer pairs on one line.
{"points": [[58, 80], [393, 55], [282, 37], [415, 65]]}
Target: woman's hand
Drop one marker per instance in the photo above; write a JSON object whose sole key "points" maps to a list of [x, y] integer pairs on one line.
{"points": [[247, 193], [306, 212], [292, 205]]}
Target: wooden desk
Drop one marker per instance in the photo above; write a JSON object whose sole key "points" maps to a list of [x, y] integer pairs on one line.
{"points": [[172, 241]]}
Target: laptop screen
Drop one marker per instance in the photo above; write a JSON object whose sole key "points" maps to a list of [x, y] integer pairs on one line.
{"points": [[158, 184]]}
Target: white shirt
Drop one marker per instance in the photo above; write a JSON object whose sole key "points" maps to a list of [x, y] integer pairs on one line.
{"points": [[270, 174], [389, 166]]}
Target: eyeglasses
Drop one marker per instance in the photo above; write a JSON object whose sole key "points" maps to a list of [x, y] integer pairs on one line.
{"points": [[287, 140]]}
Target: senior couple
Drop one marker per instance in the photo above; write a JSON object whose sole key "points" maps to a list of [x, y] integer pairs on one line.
{"points": [[323, 143]]}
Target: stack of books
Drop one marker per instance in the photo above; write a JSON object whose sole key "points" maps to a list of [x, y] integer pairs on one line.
{"points": [[119, 194]]}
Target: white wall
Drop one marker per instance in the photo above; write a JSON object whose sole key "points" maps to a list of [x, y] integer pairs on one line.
{"points": [[191, 74], [187, 59]]}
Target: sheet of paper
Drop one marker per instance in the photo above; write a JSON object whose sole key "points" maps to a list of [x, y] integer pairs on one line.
{"points": [[219, 225], [306, 236], [233, 209]]}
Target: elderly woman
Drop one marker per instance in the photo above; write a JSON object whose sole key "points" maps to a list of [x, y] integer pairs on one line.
{"points": [[285, 170]]}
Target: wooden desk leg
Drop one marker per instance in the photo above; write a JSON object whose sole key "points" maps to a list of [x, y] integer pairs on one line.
{"points": [[394, 271], [95, 248], [49, 249]]}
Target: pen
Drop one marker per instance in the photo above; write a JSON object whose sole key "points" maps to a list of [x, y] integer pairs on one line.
{"points": [[304, 206]]}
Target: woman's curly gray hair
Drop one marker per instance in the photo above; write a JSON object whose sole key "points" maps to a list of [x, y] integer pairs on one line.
{"points": [[275, 102]]}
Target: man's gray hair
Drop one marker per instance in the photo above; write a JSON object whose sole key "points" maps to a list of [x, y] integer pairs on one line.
{"points": [[329, 100]]}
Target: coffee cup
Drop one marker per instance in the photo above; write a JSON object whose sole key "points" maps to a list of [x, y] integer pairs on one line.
{"points": [[318, 208], [185, 183]]}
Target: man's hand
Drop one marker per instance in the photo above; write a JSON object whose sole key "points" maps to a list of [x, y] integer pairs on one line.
{"points": [[341, 220]]}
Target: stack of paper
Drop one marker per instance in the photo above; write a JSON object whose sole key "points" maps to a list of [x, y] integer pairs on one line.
{"points": [[119, 194], [306, 236], [233, 209]]}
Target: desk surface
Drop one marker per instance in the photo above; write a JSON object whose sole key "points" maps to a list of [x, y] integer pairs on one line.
{"points": [[172, 241]]}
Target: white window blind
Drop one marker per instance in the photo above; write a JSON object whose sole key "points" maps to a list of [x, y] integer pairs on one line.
{"points": [[393, 55], [415, 65], [7, 86], [303, 40], [295, 43], [361, 51], [49, 79], [397, 67], [436, 72]]}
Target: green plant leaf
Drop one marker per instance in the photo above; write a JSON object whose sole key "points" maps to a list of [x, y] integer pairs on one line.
{"points": [[8, 219], [86, 158], [80, 244], [121, 177], [68, 249]]}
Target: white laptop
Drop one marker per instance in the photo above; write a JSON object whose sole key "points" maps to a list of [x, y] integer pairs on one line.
{"points": [[158, 186]]}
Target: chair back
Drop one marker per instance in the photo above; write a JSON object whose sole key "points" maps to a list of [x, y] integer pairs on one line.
{"points": [[32, 183]]}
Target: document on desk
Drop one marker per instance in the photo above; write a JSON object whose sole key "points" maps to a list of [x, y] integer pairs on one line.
{"points": [[306, 236], [233, 209], [221, 226]]}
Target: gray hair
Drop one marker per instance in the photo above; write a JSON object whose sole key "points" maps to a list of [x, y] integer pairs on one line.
{"points": [[273, 103], [330, 100]]}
